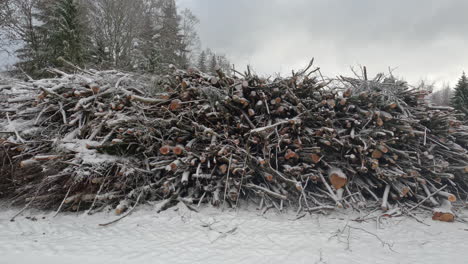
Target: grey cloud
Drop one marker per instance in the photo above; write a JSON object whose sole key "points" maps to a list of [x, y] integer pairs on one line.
{"points": [[423, 38]]}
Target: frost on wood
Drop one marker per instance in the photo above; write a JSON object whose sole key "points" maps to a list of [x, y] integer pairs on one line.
{"points": [[89, 140], [444, 212], [337, 178]]}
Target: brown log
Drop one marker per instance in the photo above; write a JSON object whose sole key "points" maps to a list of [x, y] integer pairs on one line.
{"points": [[348, 92], [95, 88], [392, 105], [165, 150], [377, 154], [185, 84], [223, 168], [269, 177], [383, 148], [122, 207], [380, 122], [444, 212], [315, 158], [163, 96], [173, 166], [178, 150], [402, 189], [444, 217], [337, 178], [450, 197], [291, 155], [175, 104]]}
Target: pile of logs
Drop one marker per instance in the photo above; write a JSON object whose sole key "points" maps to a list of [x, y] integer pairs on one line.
{"points": [[90, 140]]}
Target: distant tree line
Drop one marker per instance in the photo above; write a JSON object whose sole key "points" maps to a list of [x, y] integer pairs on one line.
{"points": [[457, 97], [208, 61], [133, 35]]}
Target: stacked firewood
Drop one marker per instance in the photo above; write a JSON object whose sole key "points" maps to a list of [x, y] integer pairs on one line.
{"points": [[90, 140]]}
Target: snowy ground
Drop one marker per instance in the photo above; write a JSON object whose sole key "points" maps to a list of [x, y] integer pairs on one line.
{"points": [[182, 236]]}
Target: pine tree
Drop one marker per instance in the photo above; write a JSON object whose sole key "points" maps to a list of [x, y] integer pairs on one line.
{"points": [[29, 54], [213, 64], [460, 97], [224, 64], [202, 61], [146, 56], [63, 31], [169, 40]]}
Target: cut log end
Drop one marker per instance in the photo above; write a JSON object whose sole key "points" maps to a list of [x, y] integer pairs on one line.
{"points": [[175, 104], [178, 150], [443, 216], [95, 89], [315, 158], [380, 122], [269, 177], [291, 155], [452, 198], [405, 191], [348, 93], [337, 178], [165, 150], [223, 168], [377, 154], [444, 212]]}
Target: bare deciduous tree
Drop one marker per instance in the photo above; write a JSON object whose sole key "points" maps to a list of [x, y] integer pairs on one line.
{"points": [[442, 96], [18, 21], [115, 25], [144, 35], [190, 39]]}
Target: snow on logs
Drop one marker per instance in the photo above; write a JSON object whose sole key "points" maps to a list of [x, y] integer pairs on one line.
{"points": [[300, 142], [444, 212], [337, 178]]}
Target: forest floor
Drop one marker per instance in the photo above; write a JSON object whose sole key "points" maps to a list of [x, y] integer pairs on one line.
{"points": [[179, 235]]}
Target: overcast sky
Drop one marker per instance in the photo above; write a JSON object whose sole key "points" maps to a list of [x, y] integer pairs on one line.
{"points": [[422, 39]]}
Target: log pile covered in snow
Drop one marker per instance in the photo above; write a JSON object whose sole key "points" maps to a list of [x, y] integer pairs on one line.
{"points": [[91, 140]]}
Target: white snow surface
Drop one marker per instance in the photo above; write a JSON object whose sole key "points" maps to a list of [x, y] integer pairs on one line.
{"points": [[214, 236], [89, 156]]}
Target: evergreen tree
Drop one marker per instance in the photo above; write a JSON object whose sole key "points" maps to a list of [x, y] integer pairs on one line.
{"points": [[202, 61], [146, 55], [460, 97], [21, 23], [63, 31], [224, 64], [213, 64], [169, 40]]}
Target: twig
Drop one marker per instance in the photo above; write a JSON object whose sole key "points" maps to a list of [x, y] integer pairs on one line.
{"points": [[126, 214], [427, 198], [63, 202]]}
